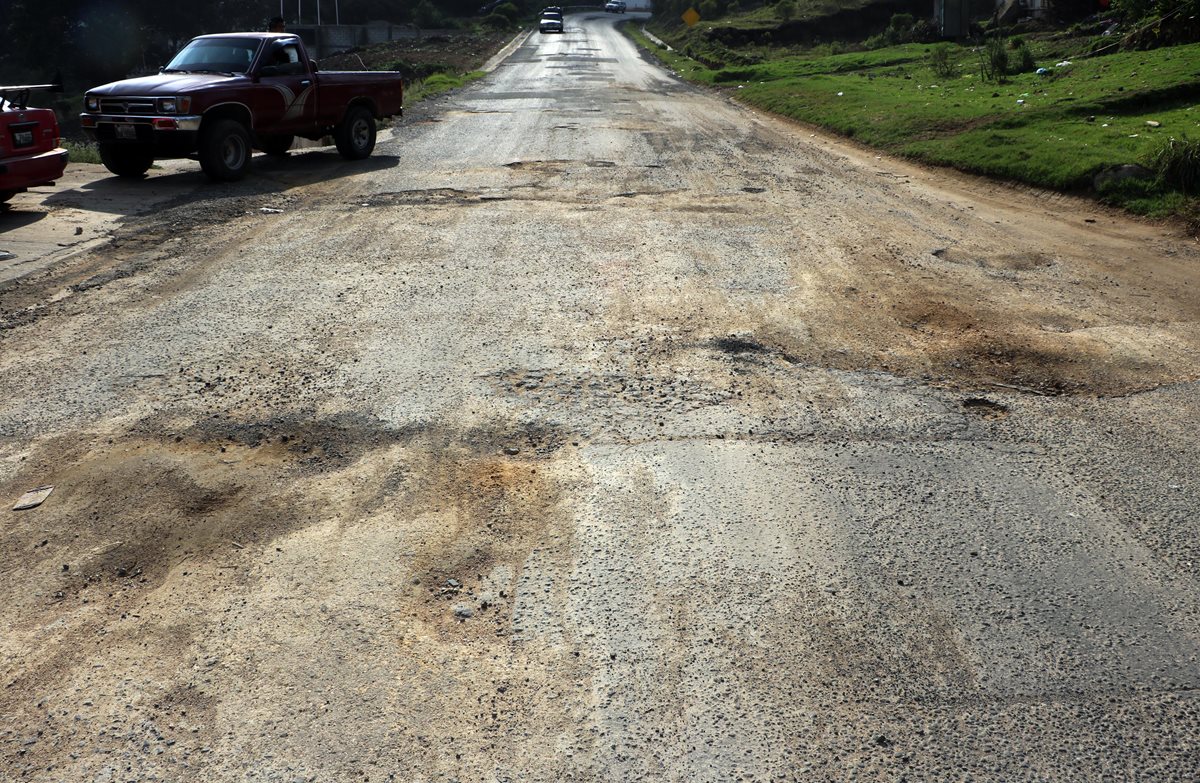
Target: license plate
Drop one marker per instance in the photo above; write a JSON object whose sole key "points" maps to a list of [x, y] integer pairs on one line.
{"points": [[23, 138], [127, 132]]}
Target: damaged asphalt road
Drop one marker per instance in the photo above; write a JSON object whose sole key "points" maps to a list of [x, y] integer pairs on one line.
{"points": [[598, 428]]}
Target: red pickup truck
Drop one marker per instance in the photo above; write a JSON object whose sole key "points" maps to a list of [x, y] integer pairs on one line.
{"points": [[224, 95], [30, 154]]}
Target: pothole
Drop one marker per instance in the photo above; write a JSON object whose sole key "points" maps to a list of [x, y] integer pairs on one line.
{"points": [[985, 408], [431, 196], [736, 346]]}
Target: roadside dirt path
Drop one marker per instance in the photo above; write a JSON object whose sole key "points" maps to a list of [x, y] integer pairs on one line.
{"points": [[598, 429]]}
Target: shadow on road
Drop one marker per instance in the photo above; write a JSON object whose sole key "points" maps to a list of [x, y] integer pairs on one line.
{"points": [[12, 218], [184, 183]]}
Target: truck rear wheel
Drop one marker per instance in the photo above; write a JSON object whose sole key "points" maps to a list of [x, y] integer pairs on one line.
{"points": [[355, 136], [276, 144], [126, 160], [224, 150]]}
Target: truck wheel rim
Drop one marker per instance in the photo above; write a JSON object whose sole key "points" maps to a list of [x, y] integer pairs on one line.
{"points": [[361, 134], [233, 152]]}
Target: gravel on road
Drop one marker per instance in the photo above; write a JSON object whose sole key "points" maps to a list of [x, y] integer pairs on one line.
{"points": [[598, 428]]}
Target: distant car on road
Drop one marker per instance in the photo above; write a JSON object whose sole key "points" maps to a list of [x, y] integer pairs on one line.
{"points": [[30, 154], [615, 6], [551, 23]]}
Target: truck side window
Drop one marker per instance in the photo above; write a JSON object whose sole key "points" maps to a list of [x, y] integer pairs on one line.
{"points": [[284, 60]]}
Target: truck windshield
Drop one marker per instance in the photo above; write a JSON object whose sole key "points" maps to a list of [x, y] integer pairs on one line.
{"points": [[215, 55]]}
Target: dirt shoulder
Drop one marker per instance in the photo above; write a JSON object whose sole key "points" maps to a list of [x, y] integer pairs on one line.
{"points": [[1114, 128]]}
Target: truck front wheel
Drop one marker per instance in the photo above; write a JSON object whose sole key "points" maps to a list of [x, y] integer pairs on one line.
{"points": [[126, 160], [224, 150], [355, 137]]}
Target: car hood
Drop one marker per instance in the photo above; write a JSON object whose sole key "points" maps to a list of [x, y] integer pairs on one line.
{"points": [[164, 84]]}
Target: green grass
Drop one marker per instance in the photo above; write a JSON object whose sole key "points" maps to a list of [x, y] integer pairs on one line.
{"points": [[438, 83], [81, 151], [1032, 129], [766, 17]]}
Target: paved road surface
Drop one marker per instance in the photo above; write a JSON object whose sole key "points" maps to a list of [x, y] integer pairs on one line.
{"points": [[599, 429]]}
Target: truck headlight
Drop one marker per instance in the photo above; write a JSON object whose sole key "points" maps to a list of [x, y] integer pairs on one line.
{"points": [[91, 103], [166, 105]]}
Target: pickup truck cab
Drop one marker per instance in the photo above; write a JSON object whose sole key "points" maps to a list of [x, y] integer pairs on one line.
{"points": [[225, 95], [30, 154]]}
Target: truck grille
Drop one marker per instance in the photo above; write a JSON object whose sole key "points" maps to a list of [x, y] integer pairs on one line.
{"points": [[127, 106]]}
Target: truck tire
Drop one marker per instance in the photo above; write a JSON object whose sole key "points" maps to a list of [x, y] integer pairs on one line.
{"points": [[277, 144], [126, 160], [224, 150], [355, 136]]}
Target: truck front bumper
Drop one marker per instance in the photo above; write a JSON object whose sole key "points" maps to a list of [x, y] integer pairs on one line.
{"points": [[29, 171], [169, 136]]}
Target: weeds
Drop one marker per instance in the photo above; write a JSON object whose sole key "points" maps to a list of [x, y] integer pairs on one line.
{"points": [[1190, 212], [939, 61], [1177, 161], [437, 84], [1025, 62], [81, 151], [903, 28], [993, 60]]}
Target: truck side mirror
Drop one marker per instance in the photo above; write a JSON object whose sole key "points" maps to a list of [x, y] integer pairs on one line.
{"points": [[313, 64]]}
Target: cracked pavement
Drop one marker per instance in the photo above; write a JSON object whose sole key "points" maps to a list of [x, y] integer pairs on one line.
{"points": [[598, 428]]}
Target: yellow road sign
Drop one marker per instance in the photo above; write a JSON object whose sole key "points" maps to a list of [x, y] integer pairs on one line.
{"points": [[690, 17]]}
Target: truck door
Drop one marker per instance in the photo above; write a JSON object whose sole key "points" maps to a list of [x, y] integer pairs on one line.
{"points": [[285, 73]]}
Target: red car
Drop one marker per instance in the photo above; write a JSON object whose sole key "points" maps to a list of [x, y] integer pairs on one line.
{"points": [[30, 154], [226, 95]]}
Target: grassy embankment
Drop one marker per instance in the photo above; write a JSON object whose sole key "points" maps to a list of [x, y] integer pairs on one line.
{"points": [[431, 66], [1054, 131], [438, 83]]}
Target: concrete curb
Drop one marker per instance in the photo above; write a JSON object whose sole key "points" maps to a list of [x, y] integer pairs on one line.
{"points": [[504, 53], [656, 40]]}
